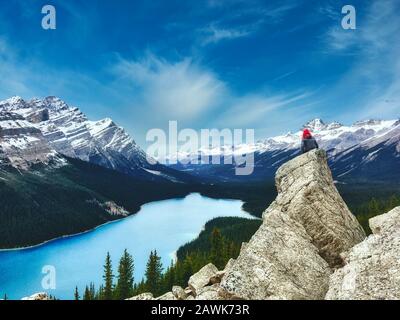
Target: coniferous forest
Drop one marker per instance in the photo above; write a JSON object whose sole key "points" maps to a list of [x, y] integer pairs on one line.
{"points": [[217, 243]]}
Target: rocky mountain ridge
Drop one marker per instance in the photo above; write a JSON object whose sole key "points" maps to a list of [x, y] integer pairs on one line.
{"points": [[45, 130], [309, 246], [354, 152]]}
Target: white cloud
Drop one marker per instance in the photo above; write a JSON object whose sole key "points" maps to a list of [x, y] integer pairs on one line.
{"points": [[213, 34], [376, 50], [255, 110], [181, 90], [254, 11]]}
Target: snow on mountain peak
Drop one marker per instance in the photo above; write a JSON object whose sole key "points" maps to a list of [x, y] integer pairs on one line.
{"points": [[315, 125], [67, 131]]}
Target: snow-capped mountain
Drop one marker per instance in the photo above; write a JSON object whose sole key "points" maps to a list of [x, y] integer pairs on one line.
{"points": [[368, 138], [41, 130]]}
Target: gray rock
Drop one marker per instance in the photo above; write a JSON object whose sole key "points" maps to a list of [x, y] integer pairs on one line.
{"points": [[143, 296], [38, 296], [307, 194], [167, 296], [279, 262], [372, 269], [209, 293], [179, 292], [202, 277], [303, 233]]}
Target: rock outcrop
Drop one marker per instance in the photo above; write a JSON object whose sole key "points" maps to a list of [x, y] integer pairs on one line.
{"points": [[202, 278], [38, 296], [309, 246], [372, 269], [304, 231]]}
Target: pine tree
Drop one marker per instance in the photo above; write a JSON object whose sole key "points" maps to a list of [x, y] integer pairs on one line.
{"points": [[86, 295], [374, 207], [5, 297], [168, 279], [108, 276], [92, 291], [124, 288], [76, 294], [393, 202], [217, 249], [154, 273]]}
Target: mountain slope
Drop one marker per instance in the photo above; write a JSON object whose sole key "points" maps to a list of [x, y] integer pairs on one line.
{"points": [[50, 201], [65, 130]]}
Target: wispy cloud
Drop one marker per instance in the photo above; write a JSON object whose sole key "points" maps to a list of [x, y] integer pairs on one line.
{"points": [[243, 19], [376, 50], [180, 90], [214, 34], [195, 96], [254, 110]]}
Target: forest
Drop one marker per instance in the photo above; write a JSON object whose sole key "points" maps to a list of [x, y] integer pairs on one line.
{"points": [[217, 243]]}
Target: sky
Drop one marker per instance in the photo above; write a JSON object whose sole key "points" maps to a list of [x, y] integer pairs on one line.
{"points": [[264, 65]]}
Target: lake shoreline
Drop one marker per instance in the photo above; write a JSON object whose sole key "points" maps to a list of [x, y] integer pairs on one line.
{"points": [[68, 235], [100, 225], [165, 225]]}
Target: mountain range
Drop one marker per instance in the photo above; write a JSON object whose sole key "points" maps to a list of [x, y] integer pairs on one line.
{"points": [[62, 173], [366, 151]]}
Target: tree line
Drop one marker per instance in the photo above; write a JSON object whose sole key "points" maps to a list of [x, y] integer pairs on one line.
{"points": [[157, 280]]}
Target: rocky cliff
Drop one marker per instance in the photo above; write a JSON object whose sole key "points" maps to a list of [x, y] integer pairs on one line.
{"points": [[309, 246]]}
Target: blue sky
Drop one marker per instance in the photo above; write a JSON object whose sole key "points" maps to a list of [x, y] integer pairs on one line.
{"points": [[267, 65]]}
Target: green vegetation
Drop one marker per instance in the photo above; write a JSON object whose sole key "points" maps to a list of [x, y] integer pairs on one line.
{"points": [[373, 208], [217, 243], [368, 200], [36, 205]]}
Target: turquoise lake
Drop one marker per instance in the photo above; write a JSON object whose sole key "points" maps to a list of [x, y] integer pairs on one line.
{"points": [[78, 260]]}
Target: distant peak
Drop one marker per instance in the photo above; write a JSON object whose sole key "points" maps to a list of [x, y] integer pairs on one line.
{"points": [[55, 103], [14, 100], [315, 125], [334, 125], [366, 122]]}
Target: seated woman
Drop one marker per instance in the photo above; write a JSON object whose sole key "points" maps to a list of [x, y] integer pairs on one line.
{"points": [[308, 142]]}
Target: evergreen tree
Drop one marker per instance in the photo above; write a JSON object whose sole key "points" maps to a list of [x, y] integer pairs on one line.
{"points": [[392, 203], [124, 288], [86, 295], [168, 279], [92, 291], [373, 206], [217, 249], [107, 293], [5, 297], [154, 273], [76, 294]]}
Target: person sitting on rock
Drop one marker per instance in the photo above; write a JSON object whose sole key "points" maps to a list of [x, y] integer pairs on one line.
{"points": [[308, 142]]}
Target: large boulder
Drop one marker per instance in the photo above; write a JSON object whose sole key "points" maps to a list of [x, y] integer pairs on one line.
{"points": [[303, 233], [167, 296], [209, 293], [306, 193], [372, 269], [279, 262], [202, 278], [143, 296], [179, 293]]}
